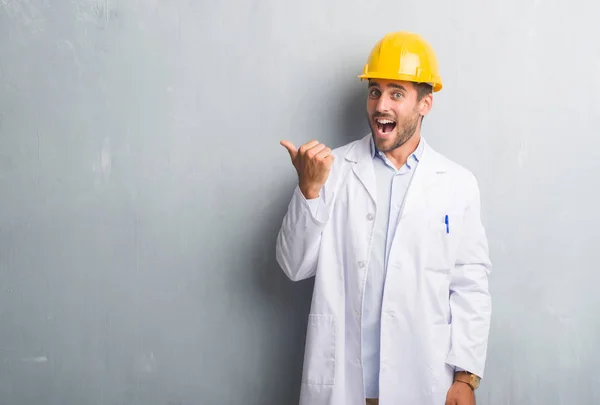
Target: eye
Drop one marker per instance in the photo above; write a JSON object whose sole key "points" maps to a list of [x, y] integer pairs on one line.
{"points": [[374, 93], [398, 96]]}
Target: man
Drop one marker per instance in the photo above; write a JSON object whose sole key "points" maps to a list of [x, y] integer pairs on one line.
{"points": [[391, 231]]}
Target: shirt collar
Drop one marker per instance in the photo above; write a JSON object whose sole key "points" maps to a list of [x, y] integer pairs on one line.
{"points": [[416, 155]]}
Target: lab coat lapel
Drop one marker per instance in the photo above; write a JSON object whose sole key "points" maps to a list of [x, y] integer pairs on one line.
{"points": [[363, 168], [429, 172]]}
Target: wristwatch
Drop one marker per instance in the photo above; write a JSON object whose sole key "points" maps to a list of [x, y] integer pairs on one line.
{"points": [[468, 378]]}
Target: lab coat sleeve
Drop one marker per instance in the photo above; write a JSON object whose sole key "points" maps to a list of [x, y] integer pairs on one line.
{"points": [[299, 239], [470, 301]]}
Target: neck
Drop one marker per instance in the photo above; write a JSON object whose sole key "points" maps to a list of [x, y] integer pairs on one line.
{"points": [[400, 155]]}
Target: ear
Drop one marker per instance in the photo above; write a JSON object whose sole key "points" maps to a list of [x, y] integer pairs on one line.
{"points": [[426, 104]]}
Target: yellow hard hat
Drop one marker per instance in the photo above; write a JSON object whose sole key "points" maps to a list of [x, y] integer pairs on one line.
{"points": [[403, 56]]}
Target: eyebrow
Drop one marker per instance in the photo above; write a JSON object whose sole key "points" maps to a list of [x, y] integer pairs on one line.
{"points": [[393, 85]]}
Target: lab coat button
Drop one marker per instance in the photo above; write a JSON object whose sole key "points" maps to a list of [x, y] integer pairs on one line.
{"points": [[361, 264], [370, 216]]}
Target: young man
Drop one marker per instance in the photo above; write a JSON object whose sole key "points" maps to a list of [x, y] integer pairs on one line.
{"points": [[391, 231]]}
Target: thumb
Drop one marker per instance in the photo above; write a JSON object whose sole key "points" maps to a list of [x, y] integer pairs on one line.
{"points": [[290, 148]]}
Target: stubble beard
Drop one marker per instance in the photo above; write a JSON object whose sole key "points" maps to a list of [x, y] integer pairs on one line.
{"points": [[403, 135]]}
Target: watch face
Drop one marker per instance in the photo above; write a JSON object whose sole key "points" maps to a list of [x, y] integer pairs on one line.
{"points": [[475, 381]]}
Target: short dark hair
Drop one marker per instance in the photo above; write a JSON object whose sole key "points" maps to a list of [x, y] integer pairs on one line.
{"points": [[423, 89]]}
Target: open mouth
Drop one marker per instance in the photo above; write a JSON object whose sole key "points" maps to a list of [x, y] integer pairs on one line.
{"points": [[385, 125]]}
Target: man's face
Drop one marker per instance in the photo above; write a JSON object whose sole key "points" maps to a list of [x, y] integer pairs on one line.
{"points": [[394, 112]]}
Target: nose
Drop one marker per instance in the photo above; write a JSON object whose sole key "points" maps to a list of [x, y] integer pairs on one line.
{"points": [[381, 104]]}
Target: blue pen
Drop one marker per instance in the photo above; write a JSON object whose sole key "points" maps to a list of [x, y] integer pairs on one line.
{"points": [[447, 225]]}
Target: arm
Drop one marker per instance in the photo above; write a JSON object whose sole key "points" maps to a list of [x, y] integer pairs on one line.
{"points": [[299, 238], [470, 302]]}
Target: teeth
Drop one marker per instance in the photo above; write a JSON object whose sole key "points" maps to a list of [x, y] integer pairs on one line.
{"points": [[385, 121]]}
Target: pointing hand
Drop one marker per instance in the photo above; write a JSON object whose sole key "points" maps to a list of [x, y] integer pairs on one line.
{"points": [[313, 162]]}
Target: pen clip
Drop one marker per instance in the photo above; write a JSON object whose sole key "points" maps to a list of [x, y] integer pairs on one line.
{"points": [[447, 224]]}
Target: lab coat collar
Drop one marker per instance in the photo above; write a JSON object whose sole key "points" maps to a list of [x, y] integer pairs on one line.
{"points": [[431, 166]]}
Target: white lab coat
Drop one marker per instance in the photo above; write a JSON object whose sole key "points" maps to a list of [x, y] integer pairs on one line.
{"points": [[436, 305]]}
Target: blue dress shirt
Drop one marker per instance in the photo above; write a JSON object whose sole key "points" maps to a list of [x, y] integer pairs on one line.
{"points": [[392, 185]]}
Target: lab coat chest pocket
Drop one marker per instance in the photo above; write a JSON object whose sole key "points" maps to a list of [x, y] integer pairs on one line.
{"points": [[319, 359], [442, 240]]}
